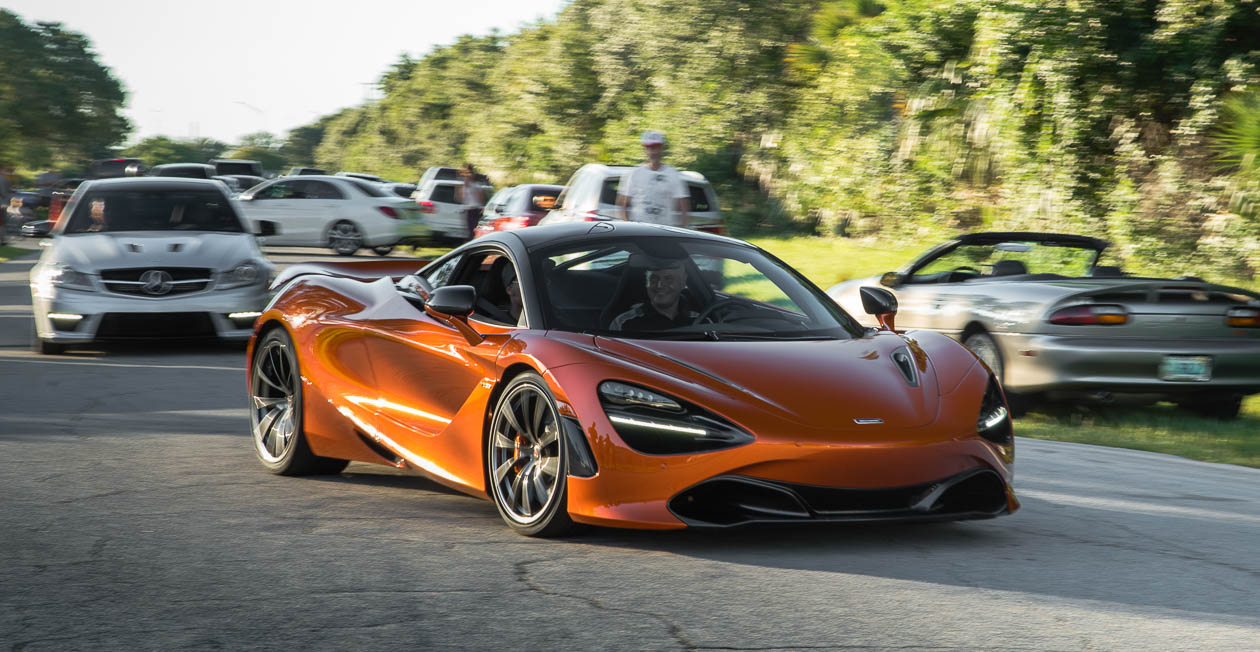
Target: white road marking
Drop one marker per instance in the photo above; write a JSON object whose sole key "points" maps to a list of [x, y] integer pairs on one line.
{"points": [[119, 364]]}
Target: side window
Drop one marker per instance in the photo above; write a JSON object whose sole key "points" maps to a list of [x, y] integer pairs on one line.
{"points": [[321, 190], [442, 275], [282, 190], [699, 199], [443, 194], [492, 273], [608, 194]]}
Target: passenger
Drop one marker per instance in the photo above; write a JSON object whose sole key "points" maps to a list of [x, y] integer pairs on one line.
{"points": [[513, 289], [97, 214], [666, 307]]}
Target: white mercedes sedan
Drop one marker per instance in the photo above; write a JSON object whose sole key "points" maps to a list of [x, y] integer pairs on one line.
{"points": [[142, 258], [342, 213]]}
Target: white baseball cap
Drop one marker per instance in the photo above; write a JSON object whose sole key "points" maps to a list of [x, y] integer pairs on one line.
{"points": [[652, 137]]}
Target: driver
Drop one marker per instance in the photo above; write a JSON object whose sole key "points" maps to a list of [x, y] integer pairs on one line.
{"points": [[665, 307]]}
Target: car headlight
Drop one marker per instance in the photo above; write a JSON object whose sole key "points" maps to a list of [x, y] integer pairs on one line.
{"points": [[994, 422], [654, 423], [61, 275], [243, 274]]}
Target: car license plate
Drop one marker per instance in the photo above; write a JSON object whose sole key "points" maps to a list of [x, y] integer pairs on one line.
{"points": [[1186, 368]]}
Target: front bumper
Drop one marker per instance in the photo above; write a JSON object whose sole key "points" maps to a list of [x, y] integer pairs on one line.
{"points": [[109, 316], [1040, 363]]}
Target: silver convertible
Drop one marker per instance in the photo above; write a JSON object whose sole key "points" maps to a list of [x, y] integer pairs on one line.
{"points": [[1053, 323]]}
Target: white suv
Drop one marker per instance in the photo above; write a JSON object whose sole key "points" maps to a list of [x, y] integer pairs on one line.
{"points": [[591, 195], [437, 194]]}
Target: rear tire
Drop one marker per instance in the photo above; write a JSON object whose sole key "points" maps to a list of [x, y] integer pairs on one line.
{"points": [[344, 238], [382, 251], [275, 413], [1225, 408]]}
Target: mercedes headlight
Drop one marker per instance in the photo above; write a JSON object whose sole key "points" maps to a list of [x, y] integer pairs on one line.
{"points": [[61, 275], [994, 422], [654, 423], [243, 274]]}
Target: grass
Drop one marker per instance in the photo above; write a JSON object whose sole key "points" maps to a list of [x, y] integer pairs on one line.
{"points": [[7, 252]]}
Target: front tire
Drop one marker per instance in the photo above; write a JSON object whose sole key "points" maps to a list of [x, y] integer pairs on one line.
{"points": [[382, 251], [344, 238], [44, 347], [276, 411], [1225, 408], [986, 349], [526, 463]]}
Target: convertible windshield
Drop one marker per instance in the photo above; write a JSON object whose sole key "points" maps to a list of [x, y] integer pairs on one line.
{"points": [[971, 261], [677, 288], [110, 211]]}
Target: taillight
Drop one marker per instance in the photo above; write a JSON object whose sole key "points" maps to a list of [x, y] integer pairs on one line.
{"points": [[1100, 315], [427, 206], [1243, 317], [592, 216], [389, 212], [715, 229]]}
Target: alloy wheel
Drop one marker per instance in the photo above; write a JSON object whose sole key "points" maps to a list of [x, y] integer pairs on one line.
{"points": [[344, 238], [525, 454], [274, 402]]}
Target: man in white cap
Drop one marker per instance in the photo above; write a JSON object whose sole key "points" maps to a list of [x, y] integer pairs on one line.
{"points": [[653, 192]]}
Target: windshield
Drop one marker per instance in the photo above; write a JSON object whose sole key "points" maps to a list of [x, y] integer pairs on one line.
{"points": [[110, 211], [971, 261], [681, 288]]}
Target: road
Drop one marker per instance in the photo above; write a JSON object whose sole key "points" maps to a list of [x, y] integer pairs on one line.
{"points": [[134, 516]]}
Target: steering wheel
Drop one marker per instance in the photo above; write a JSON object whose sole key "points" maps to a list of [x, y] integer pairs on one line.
{"points": [[713, 307]]}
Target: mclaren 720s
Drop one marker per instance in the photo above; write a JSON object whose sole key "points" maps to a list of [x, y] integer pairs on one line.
{"points": [[626, 375]]}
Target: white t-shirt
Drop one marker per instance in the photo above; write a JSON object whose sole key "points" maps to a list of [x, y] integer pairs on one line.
{"points": [[654, 194]]}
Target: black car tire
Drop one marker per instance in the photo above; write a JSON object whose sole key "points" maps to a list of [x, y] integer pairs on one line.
{"points": [[345, 238], [982, 344], [382, 251], [1225, 408], [276, 411], [44, 347], [527, 451]]}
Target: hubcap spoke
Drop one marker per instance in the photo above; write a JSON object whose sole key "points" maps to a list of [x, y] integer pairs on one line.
{"points": [[550, 466], [502, 471], [548, 437], [540, 487]]}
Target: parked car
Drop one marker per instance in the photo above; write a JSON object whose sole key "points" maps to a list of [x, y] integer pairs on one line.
{"points": [[183, 170], [400, 189], [109, 168], [517, 207], [439, 199], [437, 173], [236, 166], [21, 209], [591, 196], [361, 176], [1050, 321], [341, 213], [58, 194], [298, 171], [144, 258], [245, 181], [233, 185], [502, 369]]}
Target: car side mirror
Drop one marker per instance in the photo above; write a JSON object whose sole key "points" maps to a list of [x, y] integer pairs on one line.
{"points": [[881, 303], [41, 229], [264, 228], [890, 279], [452, 304]]}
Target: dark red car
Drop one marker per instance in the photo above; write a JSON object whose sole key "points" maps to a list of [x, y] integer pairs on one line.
{"points": [[517, 207]]}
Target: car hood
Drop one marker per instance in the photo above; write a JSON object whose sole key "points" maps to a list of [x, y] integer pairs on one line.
{"points": [[822, 385], [90, 252]]}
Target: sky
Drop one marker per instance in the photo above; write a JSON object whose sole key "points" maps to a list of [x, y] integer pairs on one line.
{"points": [[227, 68]]}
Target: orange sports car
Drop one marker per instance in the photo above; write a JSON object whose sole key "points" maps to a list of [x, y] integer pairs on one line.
{"points": [[627, 375]]}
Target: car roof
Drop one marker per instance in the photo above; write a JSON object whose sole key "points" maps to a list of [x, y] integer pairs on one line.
{"points": [[690, 175], [537, 236], [995, 237], [152, 183], [181, 165]]}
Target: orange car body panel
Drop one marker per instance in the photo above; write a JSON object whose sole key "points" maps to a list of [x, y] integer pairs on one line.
{"points": [[386, 383]]}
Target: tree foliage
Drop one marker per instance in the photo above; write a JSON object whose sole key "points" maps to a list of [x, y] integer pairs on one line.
{"points": [[159, 150], [58, 104]]}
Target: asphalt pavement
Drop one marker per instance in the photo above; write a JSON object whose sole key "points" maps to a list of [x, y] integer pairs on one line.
{"points": [[134, 516]]}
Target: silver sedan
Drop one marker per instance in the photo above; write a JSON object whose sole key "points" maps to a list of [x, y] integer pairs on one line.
{"points": [[140, 258]]}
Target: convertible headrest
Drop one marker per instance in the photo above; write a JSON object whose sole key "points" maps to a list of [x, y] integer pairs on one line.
{"points": [[1009, 268]]}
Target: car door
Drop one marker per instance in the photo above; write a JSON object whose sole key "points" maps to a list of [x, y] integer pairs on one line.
{"points": [[433, 382], [316, 206], [275, 203]]}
